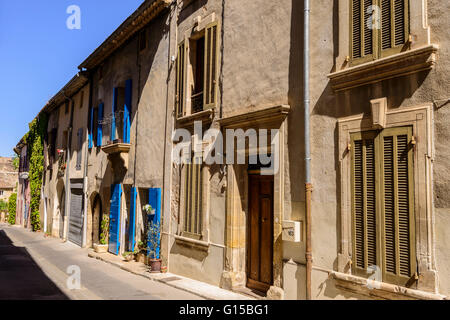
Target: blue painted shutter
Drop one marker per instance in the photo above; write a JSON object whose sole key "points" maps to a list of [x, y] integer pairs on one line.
{"points": [[127, 111], [114, 219], [154, 199], [132, 224], [91, 126], [114, 109], [100, 125]]}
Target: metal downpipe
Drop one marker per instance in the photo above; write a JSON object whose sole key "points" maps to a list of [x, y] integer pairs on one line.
{"points": [[308, 184]]}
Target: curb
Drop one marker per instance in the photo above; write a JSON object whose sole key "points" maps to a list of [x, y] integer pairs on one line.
{"points": [[153, 278]]}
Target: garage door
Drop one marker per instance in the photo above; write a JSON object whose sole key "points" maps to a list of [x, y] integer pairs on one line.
{"points": [[76, 217]]}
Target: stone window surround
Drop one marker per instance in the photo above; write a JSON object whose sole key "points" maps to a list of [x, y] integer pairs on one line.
{"points": [[418, 23], [419, 56], [198, 25], [204, 239], [420, 118]]}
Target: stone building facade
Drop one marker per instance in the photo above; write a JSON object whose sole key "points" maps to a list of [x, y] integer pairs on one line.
{"points": [[380, 201]]}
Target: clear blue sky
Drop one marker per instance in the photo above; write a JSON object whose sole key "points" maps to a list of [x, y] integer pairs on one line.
{"points": [[39, 54]]}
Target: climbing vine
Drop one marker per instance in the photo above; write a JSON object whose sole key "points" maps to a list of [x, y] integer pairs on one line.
{"points": [[12, 208], [35, 143]]}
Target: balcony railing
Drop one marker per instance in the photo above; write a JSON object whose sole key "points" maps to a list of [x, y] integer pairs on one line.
{"points": [[197, 102]]}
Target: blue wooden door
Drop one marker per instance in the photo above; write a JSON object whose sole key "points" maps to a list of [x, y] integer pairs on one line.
{"points": [[114, 219], [154, 199], [132, 223]]}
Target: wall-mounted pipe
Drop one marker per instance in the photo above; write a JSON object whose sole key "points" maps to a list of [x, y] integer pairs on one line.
{"points": [[308, 184]]}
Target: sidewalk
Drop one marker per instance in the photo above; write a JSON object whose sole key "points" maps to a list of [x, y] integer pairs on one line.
{"points": [[201, 289]]}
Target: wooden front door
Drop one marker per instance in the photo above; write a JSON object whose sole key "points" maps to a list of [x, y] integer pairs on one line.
{"points": [[260, 233]]}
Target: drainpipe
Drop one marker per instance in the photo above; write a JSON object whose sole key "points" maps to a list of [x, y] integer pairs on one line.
{"points": [[67, 184], [85, 173], [308, 184]]}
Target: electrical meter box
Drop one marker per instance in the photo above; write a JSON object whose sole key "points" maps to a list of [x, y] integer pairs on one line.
{"points": [[292, 231]]}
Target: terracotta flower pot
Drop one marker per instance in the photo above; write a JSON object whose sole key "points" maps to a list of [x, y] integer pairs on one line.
{"points": [[155, 265]]}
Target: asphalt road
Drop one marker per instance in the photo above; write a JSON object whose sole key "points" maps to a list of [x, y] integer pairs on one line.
{"points": [[36, 268]]}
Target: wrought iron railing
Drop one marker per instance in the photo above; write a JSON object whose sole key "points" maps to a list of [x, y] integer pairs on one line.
{"points": [[197, 102]]}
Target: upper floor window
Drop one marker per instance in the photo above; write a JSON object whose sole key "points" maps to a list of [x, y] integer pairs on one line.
{"points": [[378, 28], [81, 99], [142, 40], [121, 113], [196, 84]]}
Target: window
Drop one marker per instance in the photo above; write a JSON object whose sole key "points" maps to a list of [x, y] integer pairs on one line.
{"points": [[67, 106], [142, 40], [79, 148], [382, 199], [374, 40], [1, 193], [193, 199], [122, 108], [81, 99], [196, 88]]}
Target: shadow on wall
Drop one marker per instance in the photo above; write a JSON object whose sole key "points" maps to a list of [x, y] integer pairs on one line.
{"points": [[22, 278], [188, 9], [295, 98]]}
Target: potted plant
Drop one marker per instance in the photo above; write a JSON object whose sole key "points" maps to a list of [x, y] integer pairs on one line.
{"points": [[148, 209], [128, 256], [103, 246], [153, 246], [139, 254]]}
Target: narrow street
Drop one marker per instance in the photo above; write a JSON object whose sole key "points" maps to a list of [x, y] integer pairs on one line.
{"points": [[34, 267]]}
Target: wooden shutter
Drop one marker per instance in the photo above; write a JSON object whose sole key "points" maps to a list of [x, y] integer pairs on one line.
{"points": [[113, 116], [362, 36], [364, 207], [132, 221], [100, 125], [193, 210], [356, 29], [181, 70], [394, 25], [211, 48], [397, 205], [91, 127], [127, 111]]}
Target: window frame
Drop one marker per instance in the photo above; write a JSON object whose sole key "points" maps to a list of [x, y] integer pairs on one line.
{"points": [[377, 51], [183, 94], [420, 118], [378, 140]]}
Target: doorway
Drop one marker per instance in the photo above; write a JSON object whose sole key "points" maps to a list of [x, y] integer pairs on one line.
{"points": [[260, 232]]}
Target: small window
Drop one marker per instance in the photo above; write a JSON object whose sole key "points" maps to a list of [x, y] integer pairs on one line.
{"points": [[142, 40], [372, 39], [79, 148], [81, 99], [193, 199], [1, 192], [383, 204], [100, 72], [67, 107]]}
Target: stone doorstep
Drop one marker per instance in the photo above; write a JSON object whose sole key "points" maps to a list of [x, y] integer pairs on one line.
{"points": [[198, 288]]}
